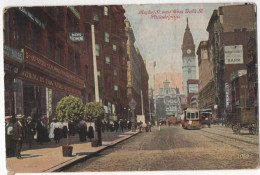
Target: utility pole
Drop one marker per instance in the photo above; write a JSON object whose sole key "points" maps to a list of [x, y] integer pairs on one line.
{"points": [[159, 127], [94, 63]]}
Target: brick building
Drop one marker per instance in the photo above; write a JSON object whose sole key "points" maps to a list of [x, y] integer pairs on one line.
{"points": [[137, 76], [192, 92], [227, 28], [48, 55]]}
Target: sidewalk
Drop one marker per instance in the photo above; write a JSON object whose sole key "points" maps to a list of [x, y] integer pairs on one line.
{"points": [[48, 157]]}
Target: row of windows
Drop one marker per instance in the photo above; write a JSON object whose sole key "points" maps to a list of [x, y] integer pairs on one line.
{"points": [[98, 49]]}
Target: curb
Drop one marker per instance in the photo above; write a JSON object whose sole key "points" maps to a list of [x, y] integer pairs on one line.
{"points": [[69, 163]]}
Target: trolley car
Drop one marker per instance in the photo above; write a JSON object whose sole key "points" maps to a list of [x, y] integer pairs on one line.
{"points": [[190, 119]]}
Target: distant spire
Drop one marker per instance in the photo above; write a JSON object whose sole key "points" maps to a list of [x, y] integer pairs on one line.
{"points": [[187, 27]]}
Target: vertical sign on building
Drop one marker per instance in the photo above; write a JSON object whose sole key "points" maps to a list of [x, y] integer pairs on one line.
{"points": [[50, 101]]}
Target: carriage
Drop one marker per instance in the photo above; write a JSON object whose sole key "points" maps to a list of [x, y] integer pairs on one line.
{"points": [[244, 119]]}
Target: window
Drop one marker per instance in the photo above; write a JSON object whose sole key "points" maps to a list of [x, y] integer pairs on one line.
{"points": [[77, 64], [68, 22], [188, 115], [115, 71], [99, 78], [49, 48], [107, 37], [97, 50], [76, 25], [189, 70], [33, 41], [114, 47], [116, 90], [69, 61], [107, 60], [86, 73], [192, 115], [59, 15], [86, 44], [105, 10], [59, 51], [6, 28], [95, 17]]}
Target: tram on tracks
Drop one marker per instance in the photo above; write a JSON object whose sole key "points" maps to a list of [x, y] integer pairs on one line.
{"points": [[190, 119]]}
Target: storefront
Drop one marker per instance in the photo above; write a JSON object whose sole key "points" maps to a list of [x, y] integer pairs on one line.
{"points": [[40, 84]]}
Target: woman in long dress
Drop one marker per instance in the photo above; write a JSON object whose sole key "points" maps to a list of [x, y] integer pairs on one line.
{"points": [[52, 127]]}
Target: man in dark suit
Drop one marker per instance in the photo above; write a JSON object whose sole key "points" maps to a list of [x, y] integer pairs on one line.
{"points": [[40, 130], [18, 135]]}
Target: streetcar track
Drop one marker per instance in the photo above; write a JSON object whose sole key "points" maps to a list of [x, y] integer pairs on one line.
{"points": [[235, 146], [248, 142]]}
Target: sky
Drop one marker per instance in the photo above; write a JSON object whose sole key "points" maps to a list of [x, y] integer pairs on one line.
{"points": [[160, 40]]}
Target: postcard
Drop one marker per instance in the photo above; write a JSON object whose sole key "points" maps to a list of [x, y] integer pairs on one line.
{"points": [[130, 87]]}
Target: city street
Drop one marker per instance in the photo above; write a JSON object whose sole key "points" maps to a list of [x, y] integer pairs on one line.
{"points": [[174, 148]]}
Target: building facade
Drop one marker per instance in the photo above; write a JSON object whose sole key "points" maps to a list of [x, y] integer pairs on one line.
{"points": [[168, 96], [49, 54], [137, 76], [192, 92], [228, 34], [188, 58]]}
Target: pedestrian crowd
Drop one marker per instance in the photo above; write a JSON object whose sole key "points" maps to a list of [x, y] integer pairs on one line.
{"points": [[27, 130], [114, 125], [21, 130]]}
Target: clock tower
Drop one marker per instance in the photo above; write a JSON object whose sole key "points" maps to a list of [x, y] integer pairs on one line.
{"points": [[188, 58]]}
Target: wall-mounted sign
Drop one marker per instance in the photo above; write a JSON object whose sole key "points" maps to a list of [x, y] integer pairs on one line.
{"points": [[13, 54], [48, 81], [193, 88], [76, 37], [11, 68], [32, 17], [49, 66], [233, 54], [236, 74]]}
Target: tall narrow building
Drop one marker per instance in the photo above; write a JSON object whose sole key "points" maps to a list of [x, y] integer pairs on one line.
{"points": [[188, 58]]}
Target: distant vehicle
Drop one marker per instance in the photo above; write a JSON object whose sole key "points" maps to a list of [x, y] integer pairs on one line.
{"points": [[206, 118], [190, 119]]}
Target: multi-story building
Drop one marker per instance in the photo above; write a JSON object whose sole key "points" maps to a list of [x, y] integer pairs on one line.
{"points": [[111, 56], [252, 76], [170, 100], [188, 58], [137, 76], [228, 34], [145, 92], [206, 78], [192, 92], [48, 55]]}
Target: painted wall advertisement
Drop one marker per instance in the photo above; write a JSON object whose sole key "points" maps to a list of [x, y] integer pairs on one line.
{"points": [[233, 54], [193, 88]]}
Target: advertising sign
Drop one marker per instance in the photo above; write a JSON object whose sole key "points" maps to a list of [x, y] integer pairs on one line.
{"points": [[140, 118], [13, 54], [233, 54], [76, 37], [238, 73], [193, 88]]}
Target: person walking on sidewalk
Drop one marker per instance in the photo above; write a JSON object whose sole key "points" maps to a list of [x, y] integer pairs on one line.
{"points": [[29, 131], [9, 141], [18, 135], [40, 130], [116, 125], [122, 125]]}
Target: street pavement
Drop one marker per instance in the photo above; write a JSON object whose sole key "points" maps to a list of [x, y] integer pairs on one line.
{"points": [[174, 148], [48, 157]]}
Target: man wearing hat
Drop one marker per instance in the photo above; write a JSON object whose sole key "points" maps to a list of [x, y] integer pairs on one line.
{"points": [[18, 135], [9, 129], [29, 131]]}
